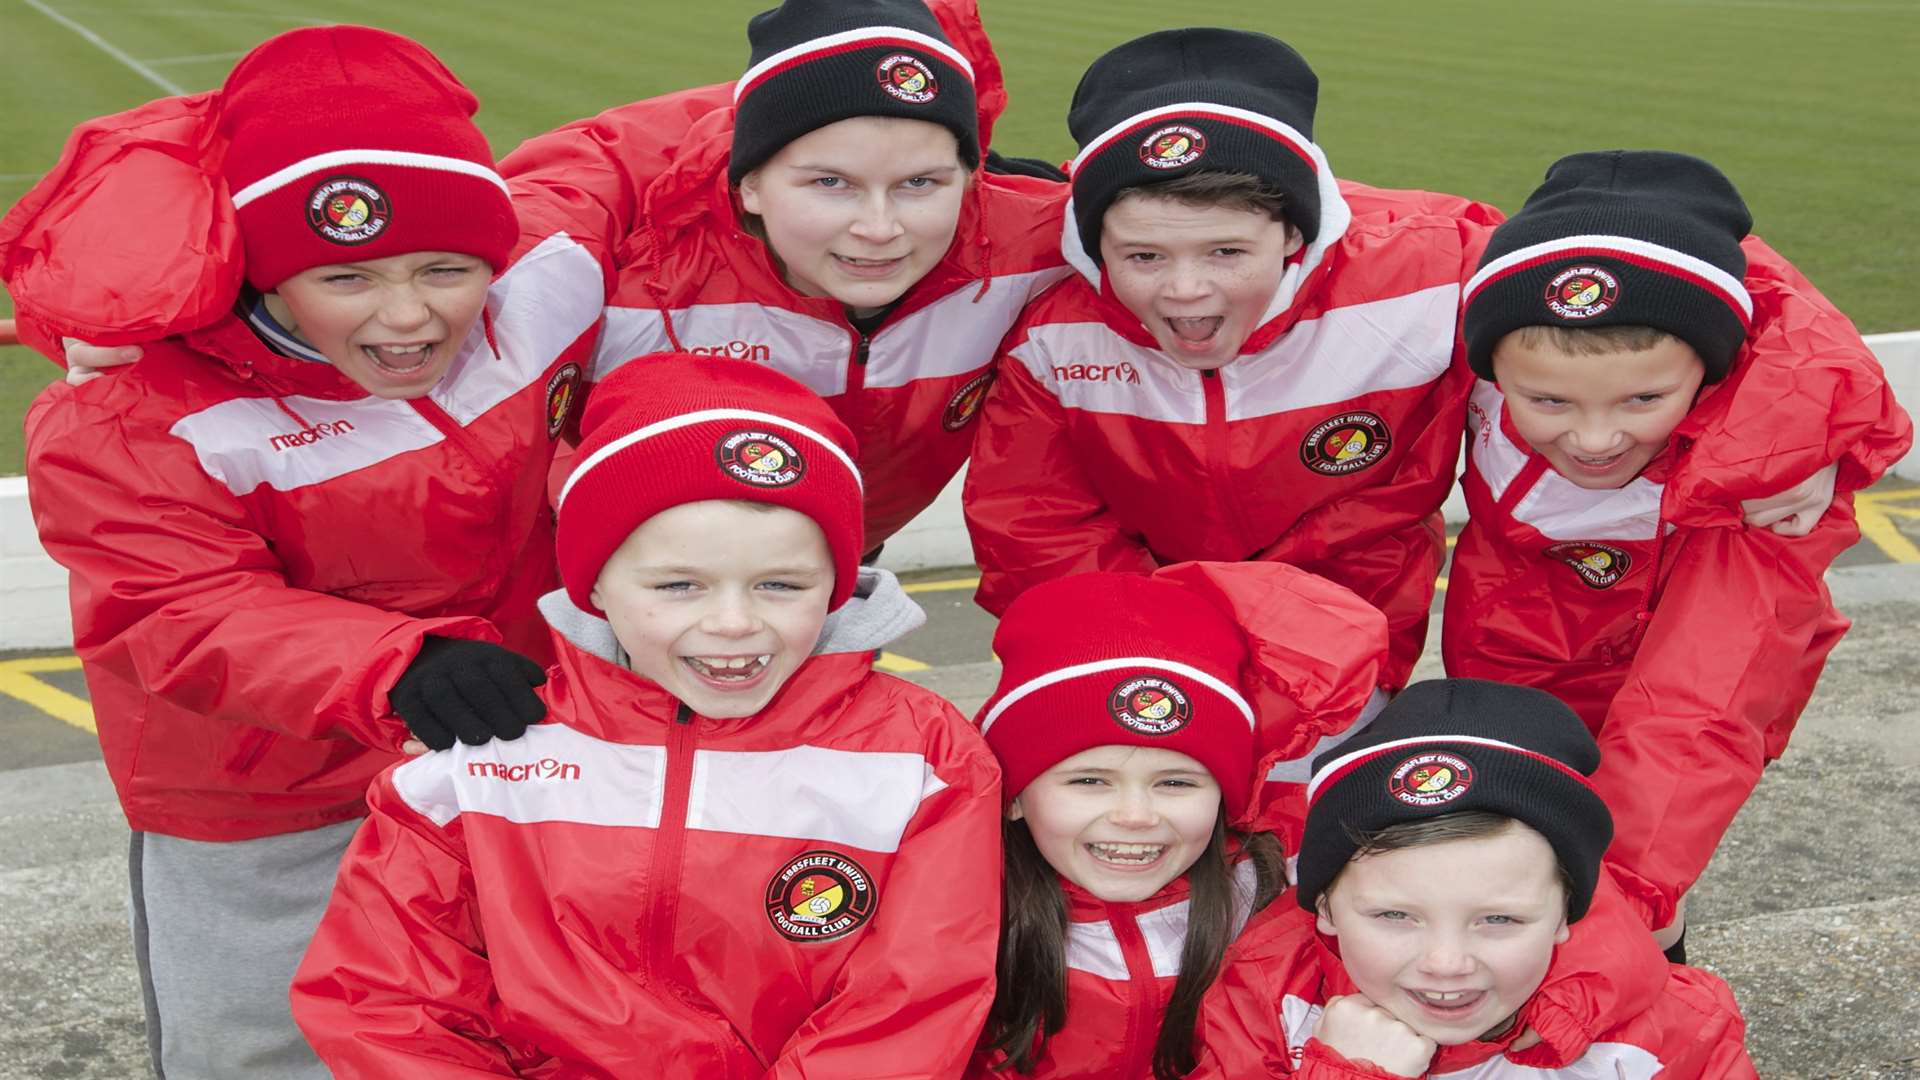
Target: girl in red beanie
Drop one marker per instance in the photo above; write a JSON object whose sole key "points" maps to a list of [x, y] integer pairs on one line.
{"points": [[1141, 725]]}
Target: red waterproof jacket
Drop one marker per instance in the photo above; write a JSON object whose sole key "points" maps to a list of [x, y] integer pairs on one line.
{"points": [[647, 183], [632, 890], [1330, 443], [256, 545], [1610, 1006], [1688, 642]]}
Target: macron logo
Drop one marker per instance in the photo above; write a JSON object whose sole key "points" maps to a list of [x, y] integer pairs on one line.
{"points": [[738, 350], [322, 430], [1122, 372], [544, 769]]}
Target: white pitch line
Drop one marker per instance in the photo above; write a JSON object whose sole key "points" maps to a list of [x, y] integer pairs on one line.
{"points": [[107, 47], [199, 58]]}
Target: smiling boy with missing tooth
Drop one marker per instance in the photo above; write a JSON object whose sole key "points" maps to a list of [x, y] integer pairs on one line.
{"points": [[1638, 379]]}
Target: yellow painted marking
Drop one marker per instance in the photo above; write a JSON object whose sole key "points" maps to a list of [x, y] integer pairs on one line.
{"points": [[1452, 540], [942, 586], [1875, 511], [898, 664], [1440, 583], [17, 681]]}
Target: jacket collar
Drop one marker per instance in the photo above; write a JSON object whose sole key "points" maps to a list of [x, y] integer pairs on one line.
{"points": [[232, 342]]}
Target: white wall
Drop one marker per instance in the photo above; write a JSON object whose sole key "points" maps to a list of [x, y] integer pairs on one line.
{"points": [[33, 593]]}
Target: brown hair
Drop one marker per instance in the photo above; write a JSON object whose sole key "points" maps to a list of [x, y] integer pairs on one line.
{"points": [[1460, 825], [1591, 340], [1030, 1001], [1234, 190]]}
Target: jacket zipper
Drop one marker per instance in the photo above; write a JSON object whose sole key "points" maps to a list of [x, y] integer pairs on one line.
{"points": [[670, 843], [457, 436], [1219, 464], [1143, 995]]}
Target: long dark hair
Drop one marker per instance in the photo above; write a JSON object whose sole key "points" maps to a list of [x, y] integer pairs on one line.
{"points": [[1030, 1002]]}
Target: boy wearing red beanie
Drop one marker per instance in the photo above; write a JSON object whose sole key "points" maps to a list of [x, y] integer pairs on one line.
{"points": [[322, 487], [1637, 378], [735, 849]]}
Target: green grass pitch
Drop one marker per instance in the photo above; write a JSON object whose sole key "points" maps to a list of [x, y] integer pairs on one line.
{"points": [[1809, 106]]}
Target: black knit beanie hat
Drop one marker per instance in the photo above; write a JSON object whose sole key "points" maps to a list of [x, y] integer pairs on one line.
{"points": [[1619, 238], [817, 62], [1445, 746], [1200, 100]]}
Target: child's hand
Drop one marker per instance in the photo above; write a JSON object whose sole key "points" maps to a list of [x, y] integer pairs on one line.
{"points": [[1362, 1031], [1793, 512], [87, 362]]}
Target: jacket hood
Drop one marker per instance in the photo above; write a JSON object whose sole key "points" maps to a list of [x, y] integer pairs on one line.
{"points": [[1804, 391], [879, 613]]}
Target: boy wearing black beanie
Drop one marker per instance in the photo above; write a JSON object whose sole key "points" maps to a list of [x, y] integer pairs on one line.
{"points": [[1255, 359], [1455, 918], [1637, 380]]}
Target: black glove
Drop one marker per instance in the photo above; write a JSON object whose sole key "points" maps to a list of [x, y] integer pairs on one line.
{"points": [[470, 690]]}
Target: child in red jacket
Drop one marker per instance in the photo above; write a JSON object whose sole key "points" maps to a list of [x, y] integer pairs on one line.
{"points": [[1246, 366], [1451, 849], [1638, 379], [735, 850], [1134, 720], [306, 500]]}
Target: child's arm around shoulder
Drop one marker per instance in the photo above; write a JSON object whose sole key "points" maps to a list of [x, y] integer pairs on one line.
{"points": [[178, 592], [397, 981], [913, 997]]}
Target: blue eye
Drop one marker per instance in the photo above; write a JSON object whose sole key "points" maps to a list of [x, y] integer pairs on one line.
{"points": [[1390, 916], [674, 586], [829, 182]]}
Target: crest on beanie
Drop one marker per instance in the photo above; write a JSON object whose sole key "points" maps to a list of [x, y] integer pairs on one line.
{"points": [[820, 896], [1346, 443], [1582, 292], [348, 210], [1149, 705], [1173, 146], [1430, 779], [907, 78], [759, 459], [1601, 566], [965, 403]]}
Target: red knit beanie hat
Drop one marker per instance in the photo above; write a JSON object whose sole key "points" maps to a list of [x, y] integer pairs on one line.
{"points": [[1240, 666], [677, 428], [348, 144]]}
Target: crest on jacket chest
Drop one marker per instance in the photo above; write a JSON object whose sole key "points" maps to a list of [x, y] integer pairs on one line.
{"points": [[1601, 566], [1346, 443], [819, 896]]}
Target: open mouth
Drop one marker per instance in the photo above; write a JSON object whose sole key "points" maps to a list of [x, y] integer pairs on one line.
{"points": [[1448, 1004], [868, 267], [1195, 332], [400, 360], [729, 670], [1600, 464], [1127, 855]]}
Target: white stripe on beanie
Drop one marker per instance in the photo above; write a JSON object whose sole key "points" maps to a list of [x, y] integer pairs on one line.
{"points": [[1321, 775], [1041, 682], [1279, 129], [334, 159], [1723, 282], [878, 35], [674, 423]]}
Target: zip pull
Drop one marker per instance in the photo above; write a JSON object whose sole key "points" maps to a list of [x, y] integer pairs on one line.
{"points": [[861, 350], [1210, 373], [682, 713]]}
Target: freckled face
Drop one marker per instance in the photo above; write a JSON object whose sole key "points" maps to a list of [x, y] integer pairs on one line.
{"points": [[1198, 277], [1598, 420]]}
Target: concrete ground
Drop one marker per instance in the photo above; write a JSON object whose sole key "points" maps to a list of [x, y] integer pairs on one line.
{"points": [[1811, 910]]}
